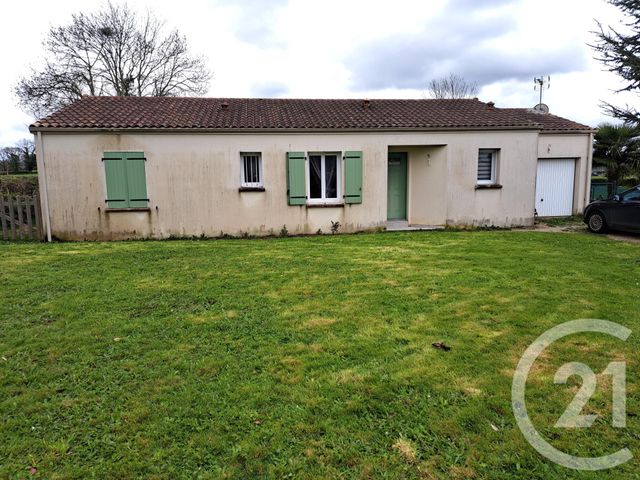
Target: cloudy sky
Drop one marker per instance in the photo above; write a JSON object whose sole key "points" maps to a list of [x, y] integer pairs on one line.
{"points": [[353, 48]]}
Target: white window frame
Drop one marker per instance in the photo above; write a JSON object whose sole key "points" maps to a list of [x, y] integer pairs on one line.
{"points": [[323, 200], [243, 182], [495, 152]]}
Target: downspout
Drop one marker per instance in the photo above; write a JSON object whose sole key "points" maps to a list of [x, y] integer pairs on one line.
{"points": [[587, 193], [42, 182]]}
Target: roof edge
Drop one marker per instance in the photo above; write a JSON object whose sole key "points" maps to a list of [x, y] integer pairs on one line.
{"points": [[33, 129], [583, 131]]}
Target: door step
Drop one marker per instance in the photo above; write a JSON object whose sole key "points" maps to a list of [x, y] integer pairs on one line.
{"points": [[403, 225]]}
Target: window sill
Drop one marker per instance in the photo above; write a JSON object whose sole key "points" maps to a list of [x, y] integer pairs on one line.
{"points": [[494, 186], [251, 189], [139, 209], [325, 205]]}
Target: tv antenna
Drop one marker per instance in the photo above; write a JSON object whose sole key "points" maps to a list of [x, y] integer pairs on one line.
{"points": [[541, 83]]}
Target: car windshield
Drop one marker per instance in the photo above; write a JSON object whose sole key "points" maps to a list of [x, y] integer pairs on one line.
{"points": [[623, 195], [632, 195]]}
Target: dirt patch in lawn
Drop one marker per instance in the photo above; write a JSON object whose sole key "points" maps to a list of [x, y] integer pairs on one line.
{"points": [[560, 224], [624, 237], [576, 226], [570, 228]]}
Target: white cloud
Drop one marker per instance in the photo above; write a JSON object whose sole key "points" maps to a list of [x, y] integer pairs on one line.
{"points": [[306, 48]]}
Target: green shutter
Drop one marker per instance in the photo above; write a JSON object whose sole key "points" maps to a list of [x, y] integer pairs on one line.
{"points": [[116, 175], [126, 180], [352, 177], [296, 185], [136, 183]]}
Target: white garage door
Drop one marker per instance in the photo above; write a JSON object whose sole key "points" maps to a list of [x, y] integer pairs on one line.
{"points": [[554, 187]]}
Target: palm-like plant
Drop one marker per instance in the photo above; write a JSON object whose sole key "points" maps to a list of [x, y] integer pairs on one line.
{"points": [[617, 147]]}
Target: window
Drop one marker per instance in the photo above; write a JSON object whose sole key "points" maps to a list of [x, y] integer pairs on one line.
{"points": [[251, 170], [126, 180], [632, 196], [316, 178], [324, 177], [487, 166]]}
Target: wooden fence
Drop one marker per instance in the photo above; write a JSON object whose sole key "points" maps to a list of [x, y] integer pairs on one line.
{"points": [[20, 217]]}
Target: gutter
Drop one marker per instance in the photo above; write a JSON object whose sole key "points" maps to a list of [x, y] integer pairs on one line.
{"points": [[42, 184], [568, 132], [34, 129], [587, 192]]}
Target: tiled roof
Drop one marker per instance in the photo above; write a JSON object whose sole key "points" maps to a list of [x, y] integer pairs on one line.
{"points": [[164, 113], [550, 122]]}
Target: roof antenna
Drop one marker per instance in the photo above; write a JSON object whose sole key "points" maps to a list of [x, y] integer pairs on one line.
{"points": [[540, 83]]}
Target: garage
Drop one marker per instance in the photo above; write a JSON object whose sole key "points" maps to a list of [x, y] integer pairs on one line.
{"points": [[554, 187]]}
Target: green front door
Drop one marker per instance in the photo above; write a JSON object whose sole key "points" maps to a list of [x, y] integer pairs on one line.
{"points": [[397, 186]]}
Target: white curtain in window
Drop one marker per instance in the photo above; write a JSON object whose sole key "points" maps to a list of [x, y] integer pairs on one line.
{"points": [[331, 176], [315, 176]]}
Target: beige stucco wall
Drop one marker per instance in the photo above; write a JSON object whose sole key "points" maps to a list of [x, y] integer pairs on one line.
{"points": [[579, 147], [513, 204], [193, 182], [426, 183], [442, 184]]}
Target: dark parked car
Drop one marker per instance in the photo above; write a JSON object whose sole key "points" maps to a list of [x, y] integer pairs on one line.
{"points": [[620, 212]]}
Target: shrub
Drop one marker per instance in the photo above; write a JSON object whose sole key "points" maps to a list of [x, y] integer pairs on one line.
{"points": [[18, 184]]}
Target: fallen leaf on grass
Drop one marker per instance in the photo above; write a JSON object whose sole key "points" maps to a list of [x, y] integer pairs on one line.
{"points": [[441, 346]]}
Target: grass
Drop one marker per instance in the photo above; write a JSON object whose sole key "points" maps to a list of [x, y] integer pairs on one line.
{"points": [[306, 357]]}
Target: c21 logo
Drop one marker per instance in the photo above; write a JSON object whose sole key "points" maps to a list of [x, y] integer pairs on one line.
{"points": [[571, 418]]}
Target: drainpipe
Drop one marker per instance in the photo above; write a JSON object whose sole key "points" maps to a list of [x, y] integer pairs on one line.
{"points": [[42, 182], [587, 193]]}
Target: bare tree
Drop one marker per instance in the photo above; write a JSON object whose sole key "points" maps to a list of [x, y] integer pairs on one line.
{"points": [[27, 152], [113, 51], [452, 86], [4, 161], [10, 161]]}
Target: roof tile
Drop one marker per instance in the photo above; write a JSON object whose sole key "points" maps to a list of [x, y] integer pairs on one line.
{"points": [[283, 114]]}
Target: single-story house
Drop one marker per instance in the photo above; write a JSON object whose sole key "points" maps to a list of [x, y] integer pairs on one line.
{"points": [[131, 167]]}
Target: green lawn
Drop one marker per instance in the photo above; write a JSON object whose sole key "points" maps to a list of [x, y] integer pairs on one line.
{"points": [[306, 357]]}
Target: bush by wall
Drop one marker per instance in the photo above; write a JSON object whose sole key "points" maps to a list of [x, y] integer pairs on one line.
{"points": [[18, 184]]}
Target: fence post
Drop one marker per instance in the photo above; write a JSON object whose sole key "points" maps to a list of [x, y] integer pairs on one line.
{"points": [[3, 221], [19, 205], [28, 204], [38, 215], [12, 223]]}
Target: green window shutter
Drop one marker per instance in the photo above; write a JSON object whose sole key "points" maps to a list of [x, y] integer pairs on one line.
{"points": [[296, 185], [136, 182], [352, 177], [116, 175], [126, 180]]}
